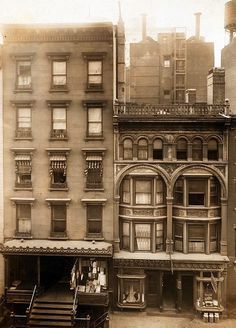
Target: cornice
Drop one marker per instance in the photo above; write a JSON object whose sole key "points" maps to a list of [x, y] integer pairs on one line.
{"points": [[60, 34]]}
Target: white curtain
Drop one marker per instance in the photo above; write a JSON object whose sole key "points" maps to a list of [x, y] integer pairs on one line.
{"points": [[59, 119]]}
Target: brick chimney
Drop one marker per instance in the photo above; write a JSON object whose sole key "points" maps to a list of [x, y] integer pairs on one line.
{"points": [[216, 86]]}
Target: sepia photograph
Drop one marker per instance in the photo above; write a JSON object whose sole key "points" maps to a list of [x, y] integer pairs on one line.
{"points": [[117, 163]]}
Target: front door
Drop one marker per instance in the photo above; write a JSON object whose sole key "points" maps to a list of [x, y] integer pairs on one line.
{"points": [[153, 288], [169, 291]]}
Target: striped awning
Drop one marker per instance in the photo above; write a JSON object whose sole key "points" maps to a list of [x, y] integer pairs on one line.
{"points": [[57, 158], [94, 158], [22, 157]]}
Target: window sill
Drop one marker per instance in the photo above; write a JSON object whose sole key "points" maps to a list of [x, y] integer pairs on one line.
{"points": [[88, 238], [58, 139], [64, 89], [90, 138], [28, 90], [58, 189], [58, 237], [94, 189], [23, 188], [23, 138], [19, 235], [94, 90]]}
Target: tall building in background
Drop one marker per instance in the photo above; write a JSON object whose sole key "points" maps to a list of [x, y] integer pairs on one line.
{"points": [[228, 61], [59, 85], [172, 69]]}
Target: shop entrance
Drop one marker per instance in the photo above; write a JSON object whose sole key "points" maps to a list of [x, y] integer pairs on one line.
{"points": [[187, 292], [153, 288], [169, 291]]}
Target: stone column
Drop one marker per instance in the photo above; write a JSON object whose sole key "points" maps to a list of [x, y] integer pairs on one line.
{"points": [[223, 241], [169, 233]]}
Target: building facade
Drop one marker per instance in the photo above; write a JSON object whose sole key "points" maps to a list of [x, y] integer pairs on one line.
{"points": [[59, 87], [171, 170]]}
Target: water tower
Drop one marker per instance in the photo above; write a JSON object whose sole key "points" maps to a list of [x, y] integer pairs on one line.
{"points": [[230, 18]]}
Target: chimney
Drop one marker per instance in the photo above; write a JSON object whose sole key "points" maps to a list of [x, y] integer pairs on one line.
{"points": [[216, 86], [144, 27], [197, 25]]}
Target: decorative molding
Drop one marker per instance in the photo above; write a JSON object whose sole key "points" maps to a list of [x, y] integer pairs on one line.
{"points": [[165, 264], [105, 252]]}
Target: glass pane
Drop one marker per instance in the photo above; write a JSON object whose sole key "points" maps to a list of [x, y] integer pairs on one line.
{"points": [[142, 237], [95, 114], [95, 128], [94, 212], [196, 231], [132, 292], [59, 212], [24, 225], [95, 79], [94, 226], [197, 150], [59, 225], [125, 228], [59, 67], [59, 80], [24, 73], [197, 185], [24, 211], [59, 118], [157, 144], [182, 144], [128, 149], [143, 186], [212, 144], [196, 246], [95, 67]]}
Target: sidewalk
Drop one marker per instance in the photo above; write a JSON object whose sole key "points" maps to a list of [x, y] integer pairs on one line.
{"points": [[142, 320]]}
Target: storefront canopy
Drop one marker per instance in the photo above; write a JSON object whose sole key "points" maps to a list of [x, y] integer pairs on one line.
{"points": [[56, 247]]}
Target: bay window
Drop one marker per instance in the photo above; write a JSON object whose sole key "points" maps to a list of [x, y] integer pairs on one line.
{"points": [[142, 237], [143, 192]]}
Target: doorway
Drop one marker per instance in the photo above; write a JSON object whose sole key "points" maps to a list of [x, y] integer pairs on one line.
{"points": [[169, 291], [187, 293]]}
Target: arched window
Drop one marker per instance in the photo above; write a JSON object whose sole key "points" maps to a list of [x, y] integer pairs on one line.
{"points": [[182, 149], [157, 152], [197, 153], [213, 150], [142, 149], [128, 149]]}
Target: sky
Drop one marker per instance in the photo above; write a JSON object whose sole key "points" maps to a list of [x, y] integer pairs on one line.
{"points": [[160, 14]]}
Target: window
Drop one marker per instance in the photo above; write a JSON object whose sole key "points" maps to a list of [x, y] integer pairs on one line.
{"points": [[166, 61], [180, 81], [213, 150], [166, 94], [23, 74], [23, 124], [214, 192], [59, 130], [94, 171], [94, 73], [125, 190], [125, 238], [59, 118], [197, 152], [59, 71], [94, 123], [142, 149], [196, 238], [158, 149], [58, 168], [214, 237], [23, 217], [178, 235], [128, 149], [23, 170], [142, 234], [180, 65], [143, 192], [159, 236], [197, 189], [131, 291], [58, 215], [23, 82], [179, 192], [94, 220], [159, 191], [182, 149]]}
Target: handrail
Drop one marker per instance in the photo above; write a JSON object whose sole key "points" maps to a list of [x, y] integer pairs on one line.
{"points": [[75, 303], [28, 310], [100, 319]]}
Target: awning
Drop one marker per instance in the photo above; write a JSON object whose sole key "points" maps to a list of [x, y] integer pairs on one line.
{"points": [[94, 158], [56, 247], [58, 158], [22, 157]]}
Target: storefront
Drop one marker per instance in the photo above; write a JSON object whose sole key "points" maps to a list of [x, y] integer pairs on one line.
{"points": [[170, 284]]}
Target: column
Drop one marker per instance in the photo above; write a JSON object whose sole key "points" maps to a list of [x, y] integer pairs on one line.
{"points": [[169, 238], [179, 292], [116, 224], [223, 241]]}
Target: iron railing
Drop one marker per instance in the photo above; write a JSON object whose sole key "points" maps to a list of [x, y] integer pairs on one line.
{"points": [[134, 109]]}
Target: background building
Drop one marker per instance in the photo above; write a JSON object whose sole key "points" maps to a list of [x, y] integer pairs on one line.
{"points": [[162, 71]]}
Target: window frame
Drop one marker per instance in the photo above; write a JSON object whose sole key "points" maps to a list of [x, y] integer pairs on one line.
{"points": [[94, 57], [94, 104], [181, 151], [213, 155], [23, 57], [58, 57], [127, 151], [58, 162], [142, 148], [59, 134], [22, 133]]}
